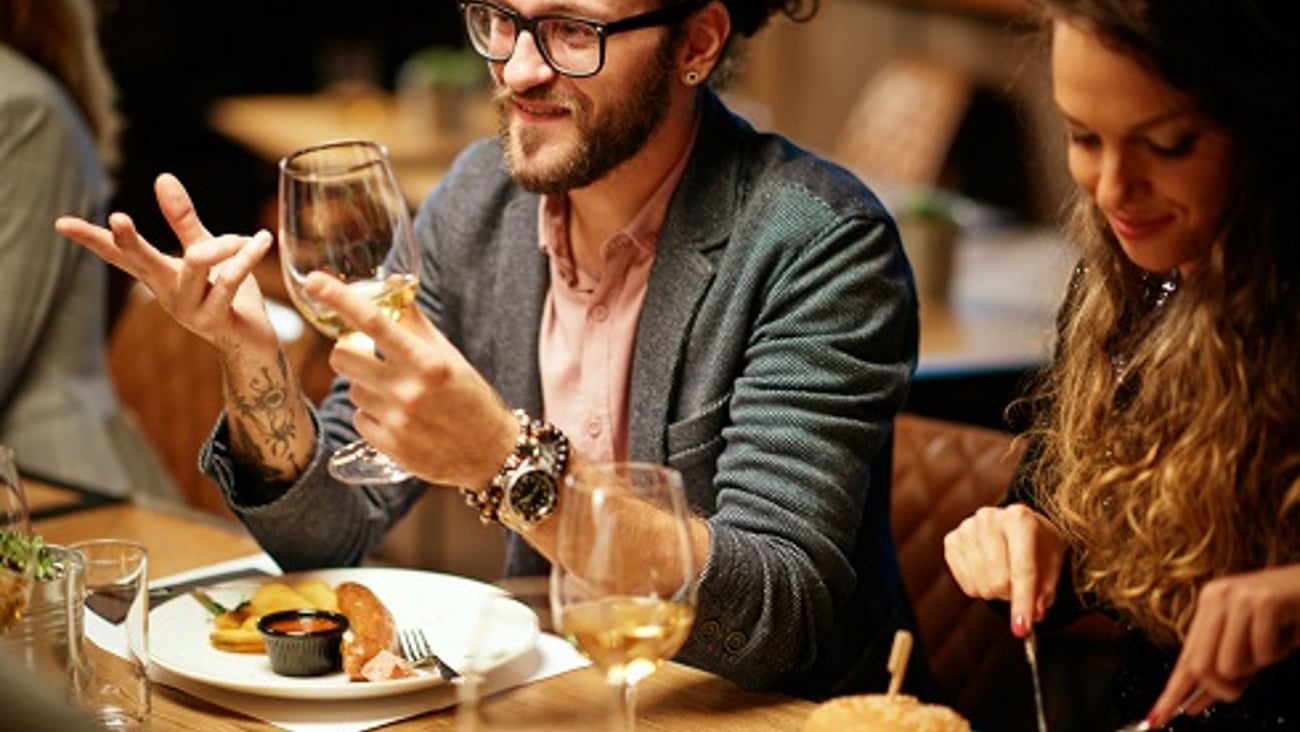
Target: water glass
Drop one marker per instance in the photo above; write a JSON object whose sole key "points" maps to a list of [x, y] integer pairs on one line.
{"points": [[115, 687], [45, 643], [481, 704]]}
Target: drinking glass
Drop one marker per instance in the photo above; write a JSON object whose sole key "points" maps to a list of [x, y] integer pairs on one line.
{"points": [[115, 687], [486, 698], [624, 582], [17, 551], [46, 642], [342, 213]]}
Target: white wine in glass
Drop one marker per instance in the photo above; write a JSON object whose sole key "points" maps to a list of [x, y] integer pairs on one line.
{"points": [[624, 583], [342, 213], [17, 547]]}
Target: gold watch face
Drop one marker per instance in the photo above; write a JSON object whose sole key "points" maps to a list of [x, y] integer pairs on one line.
{"points": [[532, 494]]}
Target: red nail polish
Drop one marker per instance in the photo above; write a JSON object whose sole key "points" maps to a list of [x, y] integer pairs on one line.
{"points": [[1019, 626]]}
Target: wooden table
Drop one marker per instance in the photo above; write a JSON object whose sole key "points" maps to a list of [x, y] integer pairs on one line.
{"points": [[272, 126], [676, 698], [999, 316]]}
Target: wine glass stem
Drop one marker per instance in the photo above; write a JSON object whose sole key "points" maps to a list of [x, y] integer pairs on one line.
{"points": [[622, 708]]}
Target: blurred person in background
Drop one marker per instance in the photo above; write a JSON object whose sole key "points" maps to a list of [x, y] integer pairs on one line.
{"points": [[647, 274], [1162, 481], [58, 410]]}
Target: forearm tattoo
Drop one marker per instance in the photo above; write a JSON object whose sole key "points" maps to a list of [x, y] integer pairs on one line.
{"points": [[263, 424]]}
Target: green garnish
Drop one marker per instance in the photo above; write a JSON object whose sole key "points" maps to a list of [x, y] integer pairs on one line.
{"points": [[208, 603], [15, 549], [214, 607]]}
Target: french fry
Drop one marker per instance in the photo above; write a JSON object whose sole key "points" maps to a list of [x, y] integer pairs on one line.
{"points": [[236, 631], [237, 640], [319, 594], [274, 597]]}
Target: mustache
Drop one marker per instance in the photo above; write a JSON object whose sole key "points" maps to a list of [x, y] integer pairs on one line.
{"points": [[503, 95]]}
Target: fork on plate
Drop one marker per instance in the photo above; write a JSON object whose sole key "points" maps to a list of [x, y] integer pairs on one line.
{"points": [[416, 649]]}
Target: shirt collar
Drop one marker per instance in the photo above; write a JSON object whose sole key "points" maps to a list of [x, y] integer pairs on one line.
{"points": [[643, 230]]}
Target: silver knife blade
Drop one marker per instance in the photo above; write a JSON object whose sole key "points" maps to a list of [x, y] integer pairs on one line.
{"points": [[159, 595], [1031, 654]]}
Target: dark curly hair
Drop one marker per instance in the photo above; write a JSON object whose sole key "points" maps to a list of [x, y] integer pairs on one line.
{"points": [[747, 18]]}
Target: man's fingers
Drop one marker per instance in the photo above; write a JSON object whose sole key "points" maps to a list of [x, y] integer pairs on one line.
{"points": [[390, 338], [95, 238], [179, 211]]}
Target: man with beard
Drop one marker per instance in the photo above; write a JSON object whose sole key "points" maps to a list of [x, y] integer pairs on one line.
{"points": [[647, 278]]}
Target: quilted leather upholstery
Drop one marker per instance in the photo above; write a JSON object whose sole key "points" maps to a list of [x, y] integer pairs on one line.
{"points": [[943, 471]]}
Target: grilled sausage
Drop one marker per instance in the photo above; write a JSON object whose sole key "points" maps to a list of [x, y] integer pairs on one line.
{"points": [[373, 628]]}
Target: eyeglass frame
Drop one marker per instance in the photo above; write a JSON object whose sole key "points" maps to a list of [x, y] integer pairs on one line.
{"points": [[667, 15]]}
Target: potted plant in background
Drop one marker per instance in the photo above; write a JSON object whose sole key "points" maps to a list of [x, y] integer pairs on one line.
{"points": [[437, 88], [928, 227]]}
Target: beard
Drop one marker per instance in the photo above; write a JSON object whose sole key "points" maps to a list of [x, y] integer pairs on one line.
{"points": [[606, 139]]}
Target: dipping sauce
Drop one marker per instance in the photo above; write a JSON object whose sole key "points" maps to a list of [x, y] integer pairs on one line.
{"points": [[304, 642], [302, 624]]}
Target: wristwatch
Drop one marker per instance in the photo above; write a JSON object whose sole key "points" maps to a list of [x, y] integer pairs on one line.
{"points": [[526, 489]]}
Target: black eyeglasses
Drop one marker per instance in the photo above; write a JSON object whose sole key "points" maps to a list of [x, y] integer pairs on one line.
{"points": [[571, 45]]}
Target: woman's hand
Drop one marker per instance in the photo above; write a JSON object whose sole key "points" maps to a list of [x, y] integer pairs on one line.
{"points": [[1243, 623], [208, 289], [1011, 553]]}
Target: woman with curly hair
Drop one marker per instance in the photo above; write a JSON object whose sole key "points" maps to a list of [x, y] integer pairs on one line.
{"points": [[1162, 483]]}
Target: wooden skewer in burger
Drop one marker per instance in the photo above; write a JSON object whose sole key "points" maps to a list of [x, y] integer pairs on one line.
{"points": [[888, 712]]}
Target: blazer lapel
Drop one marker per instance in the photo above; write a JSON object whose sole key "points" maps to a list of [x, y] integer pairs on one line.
{"points": [[518, 296], [698, 222]]}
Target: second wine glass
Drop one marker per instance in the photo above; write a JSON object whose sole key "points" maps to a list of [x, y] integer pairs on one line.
{"points": [[342, 213], [623, 586]]}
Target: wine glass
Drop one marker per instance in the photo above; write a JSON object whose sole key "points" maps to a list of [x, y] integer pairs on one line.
{"points": [[624, 599], [17, 550], [342, 213]]}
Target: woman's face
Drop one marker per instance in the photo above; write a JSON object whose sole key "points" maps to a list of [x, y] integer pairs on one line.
{"points": [[1158, 169]]}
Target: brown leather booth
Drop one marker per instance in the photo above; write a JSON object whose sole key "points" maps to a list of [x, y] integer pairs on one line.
{"points": [[943, 471]]}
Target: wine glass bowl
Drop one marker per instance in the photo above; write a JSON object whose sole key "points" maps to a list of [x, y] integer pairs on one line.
{"points": [[342, 213], [17, 545], [624, 582]]}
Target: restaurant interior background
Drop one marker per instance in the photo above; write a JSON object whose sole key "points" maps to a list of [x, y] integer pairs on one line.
{"points": [[175, 63]]}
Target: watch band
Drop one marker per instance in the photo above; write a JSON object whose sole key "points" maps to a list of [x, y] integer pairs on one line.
{"points": [[538, 443]]}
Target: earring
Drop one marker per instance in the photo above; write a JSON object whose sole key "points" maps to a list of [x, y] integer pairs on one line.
{"points": [[692, 77]]}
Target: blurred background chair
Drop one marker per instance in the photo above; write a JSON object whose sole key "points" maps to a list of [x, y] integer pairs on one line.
{"points": [[943, 471], [170, 381], [902, 125]]}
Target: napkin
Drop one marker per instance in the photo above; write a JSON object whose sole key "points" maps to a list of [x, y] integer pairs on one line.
{"points": [[551, 656]]}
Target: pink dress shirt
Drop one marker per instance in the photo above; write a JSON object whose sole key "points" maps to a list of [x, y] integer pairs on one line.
{"points": [[589, 325]]}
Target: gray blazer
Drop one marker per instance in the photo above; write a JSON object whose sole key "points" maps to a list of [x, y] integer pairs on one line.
{"points": [[776, 342]]}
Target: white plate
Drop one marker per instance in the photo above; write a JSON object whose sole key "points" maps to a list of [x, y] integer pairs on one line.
{"points": [[444, 606]]}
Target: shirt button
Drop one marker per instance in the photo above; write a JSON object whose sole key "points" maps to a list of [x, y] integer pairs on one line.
{"points": [[599, 313], [593, 426]]}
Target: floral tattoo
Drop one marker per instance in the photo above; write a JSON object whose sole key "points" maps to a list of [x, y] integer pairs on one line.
{"points": [[266, 427]]}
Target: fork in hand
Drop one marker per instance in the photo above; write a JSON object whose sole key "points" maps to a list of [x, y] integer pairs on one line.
{"points": [[415, 648], [1143, 726]]}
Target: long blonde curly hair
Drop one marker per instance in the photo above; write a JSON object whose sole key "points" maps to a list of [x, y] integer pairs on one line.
{"points": [[1170, 419]]}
